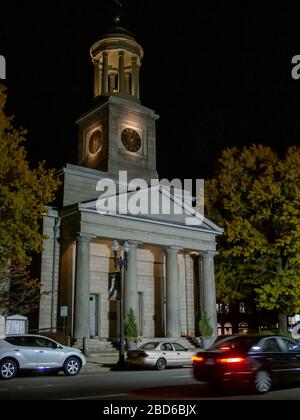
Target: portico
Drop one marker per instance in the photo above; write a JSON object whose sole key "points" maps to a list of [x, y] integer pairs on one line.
{"points": [[170, 275], [161, 273]]}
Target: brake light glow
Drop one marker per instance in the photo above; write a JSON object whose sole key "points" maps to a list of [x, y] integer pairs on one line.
{"points": [[231, 360], [197, 359], [224, 348]]}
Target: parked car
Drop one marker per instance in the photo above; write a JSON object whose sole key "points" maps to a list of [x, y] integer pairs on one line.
{"points": [[257, 360], [160, 354], [35, 352]]}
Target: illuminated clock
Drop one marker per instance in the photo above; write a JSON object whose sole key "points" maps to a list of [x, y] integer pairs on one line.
{"points": [[131, 140], [95, 142]]}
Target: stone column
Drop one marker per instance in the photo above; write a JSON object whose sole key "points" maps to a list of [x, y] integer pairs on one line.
{"points": [[138, 80], [130, 286], [121, 72], [96, 78], [100, 78], [172, 293], [105, 73], [209, 289], [201, 286], [134, 76], [82, 287]]}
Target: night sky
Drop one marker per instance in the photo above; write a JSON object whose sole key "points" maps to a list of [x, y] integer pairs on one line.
{"points": [[219, 74]]}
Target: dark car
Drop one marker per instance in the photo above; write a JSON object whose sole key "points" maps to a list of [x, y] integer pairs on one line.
{"points": [[260, 361]]}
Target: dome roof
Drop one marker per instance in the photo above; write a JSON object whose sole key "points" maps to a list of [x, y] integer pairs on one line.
{"points": [[118, 30]]}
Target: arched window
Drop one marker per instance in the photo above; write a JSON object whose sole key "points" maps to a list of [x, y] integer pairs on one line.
{"points": [[228, 328], [243, 327], [219, 329]]}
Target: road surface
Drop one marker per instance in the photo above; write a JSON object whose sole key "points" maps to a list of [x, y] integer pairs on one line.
{"points": [[171, 384]]}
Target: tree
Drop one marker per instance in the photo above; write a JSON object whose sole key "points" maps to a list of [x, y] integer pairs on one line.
{"points": [[24, 192], [255, 197], [131, 329]]}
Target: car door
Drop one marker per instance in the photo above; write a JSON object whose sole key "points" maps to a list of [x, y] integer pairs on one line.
{"points": [[182, 356], [49, 355], [273, 358], [24, 350], [168, 353], [291, 352]]}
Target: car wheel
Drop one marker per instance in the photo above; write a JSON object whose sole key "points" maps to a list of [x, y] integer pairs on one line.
{"points": [[263, 381], [8, 369], [161, 364], [72, 366]]}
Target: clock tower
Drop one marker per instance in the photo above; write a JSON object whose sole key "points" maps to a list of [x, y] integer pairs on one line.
{"points": [[118, 133]]}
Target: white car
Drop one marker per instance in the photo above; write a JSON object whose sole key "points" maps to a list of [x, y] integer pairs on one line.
{"points": [[35, 352], [160, 354]]}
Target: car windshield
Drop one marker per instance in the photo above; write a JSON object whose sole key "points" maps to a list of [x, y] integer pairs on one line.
{"points": [[242, 343], [149, 346]]}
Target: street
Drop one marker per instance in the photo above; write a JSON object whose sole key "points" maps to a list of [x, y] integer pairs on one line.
{"points": [[171, 384]]}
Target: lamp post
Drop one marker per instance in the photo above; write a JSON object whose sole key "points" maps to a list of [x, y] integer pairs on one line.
{"points": [[121, 262]]}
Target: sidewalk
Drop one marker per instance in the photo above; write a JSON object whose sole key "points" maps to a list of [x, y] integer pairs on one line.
{"points": [[100, 363]]}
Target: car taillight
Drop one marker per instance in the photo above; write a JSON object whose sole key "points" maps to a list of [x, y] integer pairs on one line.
{"points": [[231, 360], [144, 354], [197, 359]]}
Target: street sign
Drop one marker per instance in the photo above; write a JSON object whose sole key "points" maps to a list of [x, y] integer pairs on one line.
{"points": [[63, 311]]}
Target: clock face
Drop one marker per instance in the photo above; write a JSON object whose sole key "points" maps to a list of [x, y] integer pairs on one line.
{"points": [[95, 142], [131, 140]]}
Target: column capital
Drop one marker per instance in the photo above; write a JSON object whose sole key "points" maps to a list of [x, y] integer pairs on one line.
{"points": [[105, 53], [84, 237], [134, 244], [208, 254], [173, 249]]}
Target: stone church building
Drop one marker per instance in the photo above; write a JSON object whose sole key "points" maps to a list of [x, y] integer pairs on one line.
{"points": [[170, 274]]}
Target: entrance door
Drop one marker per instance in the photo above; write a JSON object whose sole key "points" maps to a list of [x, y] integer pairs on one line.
{"points": [[93, 315], [113, 319]]}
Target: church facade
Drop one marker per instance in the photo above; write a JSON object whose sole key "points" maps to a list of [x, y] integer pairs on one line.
{"points": [[170, 275]]}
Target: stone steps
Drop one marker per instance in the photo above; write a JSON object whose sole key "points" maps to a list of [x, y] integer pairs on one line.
{"points": [[94, 346]]}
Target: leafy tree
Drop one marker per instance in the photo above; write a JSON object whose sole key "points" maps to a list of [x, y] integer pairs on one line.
{"points": [[24, 192], [255, 197]]}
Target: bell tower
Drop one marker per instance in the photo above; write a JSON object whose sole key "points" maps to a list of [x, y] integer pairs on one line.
{"points": [[117, 60], [118, 133]]}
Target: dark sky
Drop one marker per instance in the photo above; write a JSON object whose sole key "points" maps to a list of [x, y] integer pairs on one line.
{"points": [[218, 74]]}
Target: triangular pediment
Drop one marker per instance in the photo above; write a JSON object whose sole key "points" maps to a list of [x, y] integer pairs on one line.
{"points": [[157, 204]]}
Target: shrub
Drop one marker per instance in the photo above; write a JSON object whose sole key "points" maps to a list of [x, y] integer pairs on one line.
{"points": [[205, 328], [131, 329]]}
